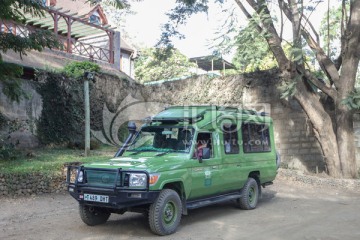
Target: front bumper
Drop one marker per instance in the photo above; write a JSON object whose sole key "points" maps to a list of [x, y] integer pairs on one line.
{"points": [[118, 195], [118, 199]]}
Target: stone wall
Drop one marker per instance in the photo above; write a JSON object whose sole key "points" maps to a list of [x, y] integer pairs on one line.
{"points": [[31, 184], [21, 117], [293, 132]]}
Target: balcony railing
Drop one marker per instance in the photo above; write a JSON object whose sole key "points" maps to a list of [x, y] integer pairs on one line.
{"points": [[93, 52], [70, 30]]}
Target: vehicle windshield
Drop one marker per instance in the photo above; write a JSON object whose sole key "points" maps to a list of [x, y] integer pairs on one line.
{"points": [[163, 139]]}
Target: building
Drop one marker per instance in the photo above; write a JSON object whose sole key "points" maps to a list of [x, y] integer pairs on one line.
{"points": [[211, 65], [85, 33]]}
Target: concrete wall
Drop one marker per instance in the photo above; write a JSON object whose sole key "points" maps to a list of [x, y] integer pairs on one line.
{"points": [[127, 64], [293, 132], [21, 117]]}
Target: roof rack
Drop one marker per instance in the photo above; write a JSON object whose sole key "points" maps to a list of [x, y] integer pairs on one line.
{"points": [[223, 108], [163, 118], [189, 119]]}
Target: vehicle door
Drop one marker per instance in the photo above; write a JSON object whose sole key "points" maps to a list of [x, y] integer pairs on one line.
{"points": [[233, 169], [205, 173]]}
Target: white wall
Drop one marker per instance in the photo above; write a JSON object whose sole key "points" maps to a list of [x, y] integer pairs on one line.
{"points": [[127, 64]]}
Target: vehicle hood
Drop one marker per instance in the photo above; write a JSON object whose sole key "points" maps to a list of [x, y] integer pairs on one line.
{"points": [[149, 161]]}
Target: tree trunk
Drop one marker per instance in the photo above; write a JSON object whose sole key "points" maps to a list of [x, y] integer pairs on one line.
{"points": [[346, 142], [348, 71], [322, 126], [335, 136]]}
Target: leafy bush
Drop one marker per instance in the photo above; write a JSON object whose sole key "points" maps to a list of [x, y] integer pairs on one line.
{"points": [[77, 69], [8, 151], [62, 119], [3, 120], [62, 116]]}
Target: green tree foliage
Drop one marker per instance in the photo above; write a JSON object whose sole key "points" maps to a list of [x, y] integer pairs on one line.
{"points": [[78, 69], [15, 10], [150, 67], [252, 52], [330, 32], [331, 37]]}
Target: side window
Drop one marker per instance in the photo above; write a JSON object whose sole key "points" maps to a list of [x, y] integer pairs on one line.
{"points": [[231, 141], [256, 137], [204, 140]]}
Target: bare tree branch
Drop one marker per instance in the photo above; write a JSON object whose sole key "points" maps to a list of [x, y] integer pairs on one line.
{"points": [[351, 54], [312, 29], [287, 12], [325, 62], [338, 61], [274, 40], [296, 27], [322, 86]]}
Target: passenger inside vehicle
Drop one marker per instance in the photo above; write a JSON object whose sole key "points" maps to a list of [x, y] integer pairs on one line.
{"points": [[203, 141]]}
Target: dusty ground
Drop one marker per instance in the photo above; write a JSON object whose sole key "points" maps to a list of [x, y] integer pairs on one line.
{"points": [[288, 210]]}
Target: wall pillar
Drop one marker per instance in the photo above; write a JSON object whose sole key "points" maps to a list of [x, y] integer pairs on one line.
{"points": [[117, 51]]}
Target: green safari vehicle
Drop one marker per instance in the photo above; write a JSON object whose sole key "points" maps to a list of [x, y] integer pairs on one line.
{"points": [[183, 158]]}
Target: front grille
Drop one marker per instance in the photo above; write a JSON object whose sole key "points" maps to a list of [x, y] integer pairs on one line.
{"points": [[102, 178]]}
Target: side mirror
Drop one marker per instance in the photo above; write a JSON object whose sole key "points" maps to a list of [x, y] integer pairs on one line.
{"points": [[132, 131], [132, 127], [203, 153]]}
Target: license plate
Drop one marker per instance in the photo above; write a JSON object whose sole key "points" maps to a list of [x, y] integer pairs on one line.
{"points": [[96, 198]]}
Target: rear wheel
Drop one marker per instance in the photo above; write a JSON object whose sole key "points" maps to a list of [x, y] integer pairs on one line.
{"points": [[250, 195], [165, 213], [92, 215]]}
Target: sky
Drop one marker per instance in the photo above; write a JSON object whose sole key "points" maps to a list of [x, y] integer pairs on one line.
{"points": [[145, 25]]}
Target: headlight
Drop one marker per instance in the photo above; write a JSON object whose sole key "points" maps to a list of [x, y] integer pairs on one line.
{"points": [[137, 180], [80, 177]]}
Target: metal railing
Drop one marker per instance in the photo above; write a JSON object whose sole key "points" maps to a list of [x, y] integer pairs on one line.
{"points": [[92, 52], [77, 47]]}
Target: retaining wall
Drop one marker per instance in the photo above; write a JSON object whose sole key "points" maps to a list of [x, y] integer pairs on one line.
{"points": [[293, 132], [31, 184]]}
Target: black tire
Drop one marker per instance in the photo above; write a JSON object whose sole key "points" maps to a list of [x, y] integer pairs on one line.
{"points": [[278, 159], [250, 195], [92, 215], [146, 214], [165, 213]]}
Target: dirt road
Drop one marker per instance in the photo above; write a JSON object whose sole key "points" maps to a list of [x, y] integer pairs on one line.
{"points": [[286, 211]]}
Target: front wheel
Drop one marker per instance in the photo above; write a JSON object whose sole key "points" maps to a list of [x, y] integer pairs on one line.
{"points": [[250, 195], [92, 215], [165, 213]]}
